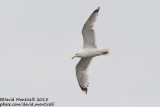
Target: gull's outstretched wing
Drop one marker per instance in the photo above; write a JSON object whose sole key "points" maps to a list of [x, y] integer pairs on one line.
{"points": [[88, 32], [81, 73]]}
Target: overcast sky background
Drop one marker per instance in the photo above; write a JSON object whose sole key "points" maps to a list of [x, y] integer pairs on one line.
{"points": [[39, 37]]}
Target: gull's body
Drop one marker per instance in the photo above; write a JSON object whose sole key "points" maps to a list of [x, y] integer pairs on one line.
{"points": [[88, 52]]}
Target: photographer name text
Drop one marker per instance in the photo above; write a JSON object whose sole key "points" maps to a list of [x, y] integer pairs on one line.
{"points": [[24, 99]]}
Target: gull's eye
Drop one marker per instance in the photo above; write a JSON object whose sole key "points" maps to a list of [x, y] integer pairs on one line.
{"points": [[76, 53]]}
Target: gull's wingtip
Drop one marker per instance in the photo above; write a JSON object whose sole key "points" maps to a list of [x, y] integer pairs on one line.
{"points": [[97, 10], [85, 90]]}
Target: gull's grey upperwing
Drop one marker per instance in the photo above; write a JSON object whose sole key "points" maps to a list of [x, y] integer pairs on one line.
{"points": [[88, 32], [81, 73]]}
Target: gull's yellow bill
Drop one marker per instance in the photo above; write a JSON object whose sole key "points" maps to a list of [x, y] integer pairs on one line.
{"points": [[73, 57]]}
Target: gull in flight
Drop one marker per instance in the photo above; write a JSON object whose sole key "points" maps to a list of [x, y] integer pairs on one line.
{"points": [[88, 52]]}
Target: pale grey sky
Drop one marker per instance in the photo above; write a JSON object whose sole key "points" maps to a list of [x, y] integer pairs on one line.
{"points": [[39, 37]]}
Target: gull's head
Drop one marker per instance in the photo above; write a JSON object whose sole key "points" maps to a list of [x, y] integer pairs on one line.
{"points": [[76, 55]]}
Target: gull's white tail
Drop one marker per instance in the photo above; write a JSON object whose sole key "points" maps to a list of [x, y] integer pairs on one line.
{"points": [[104, 51]]}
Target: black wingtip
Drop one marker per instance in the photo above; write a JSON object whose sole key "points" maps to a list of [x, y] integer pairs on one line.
{"points": [[97, 10], [84, 89]]}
